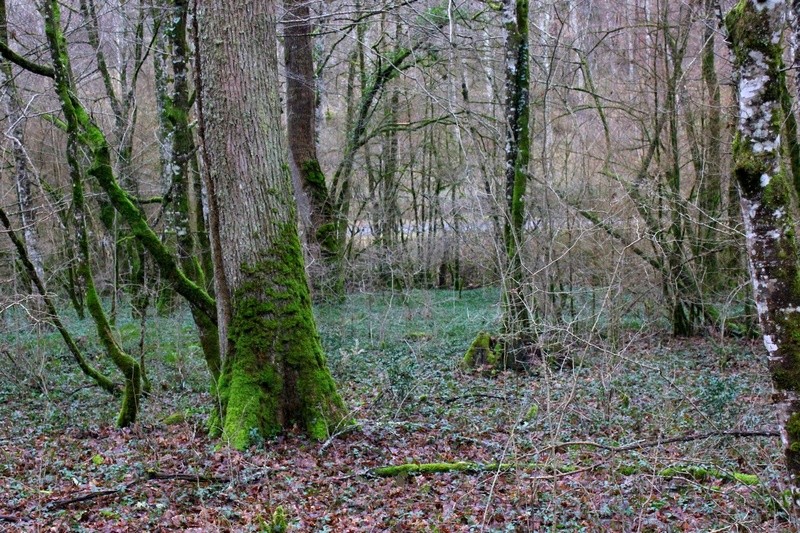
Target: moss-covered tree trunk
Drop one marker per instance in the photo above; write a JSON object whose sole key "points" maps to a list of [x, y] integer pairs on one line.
{"points": [[755, 29], [517, 325], [184, 215], [709, 198], [274, 374]]}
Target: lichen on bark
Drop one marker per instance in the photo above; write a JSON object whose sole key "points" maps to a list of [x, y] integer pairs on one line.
{"points": [[755, 29]]}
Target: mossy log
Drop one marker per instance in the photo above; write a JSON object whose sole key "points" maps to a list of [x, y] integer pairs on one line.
{"points": [[459, 466], [696, 472]]}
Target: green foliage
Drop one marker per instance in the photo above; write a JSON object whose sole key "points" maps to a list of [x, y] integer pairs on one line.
{"points": [[279, 522]]}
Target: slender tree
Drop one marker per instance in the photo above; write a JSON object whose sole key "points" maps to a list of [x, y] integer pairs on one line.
{"points": [[79, 125], [516, 313], [23, 173], [274, 374], [302, 124]]}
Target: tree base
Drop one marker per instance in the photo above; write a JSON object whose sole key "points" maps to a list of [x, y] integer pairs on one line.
{"points": [[498, 354]]}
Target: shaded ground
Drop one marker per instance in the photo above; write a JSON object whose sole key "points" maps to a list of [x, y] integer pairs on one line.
{"points": [[395, 358]]}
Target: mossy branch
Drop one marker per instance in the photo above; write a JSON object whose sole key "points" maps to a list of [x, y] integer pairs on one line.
{"points": [[92, 137], [26, 64], [697, 472]]}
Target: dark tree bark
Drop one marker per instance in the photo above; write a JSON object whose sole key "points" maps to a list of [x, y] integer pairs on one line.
{"points": [[301, 121], [516, 313], [274, 373]]}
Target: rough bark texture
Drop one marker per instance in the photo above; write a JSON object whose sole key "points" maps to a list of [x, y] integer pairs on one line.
{"points": [[274, 373], [755, 30]]}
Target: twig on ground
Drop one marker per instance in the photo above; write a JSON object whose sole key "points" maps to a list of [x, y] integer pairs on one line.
{"points": [[475, 396], [151, 475]]}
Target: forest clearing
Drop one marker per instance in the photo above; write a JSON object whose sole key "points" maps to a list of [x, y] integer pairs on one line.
{"points": [[396, 359]]}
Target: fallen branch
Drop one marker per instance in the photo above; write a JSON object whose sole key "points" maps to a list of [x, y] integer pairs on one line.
{"points": [[151, 475], [475, 396], [60, 504], [697, 472], [194, 478], [660, 442], [462, 466]]}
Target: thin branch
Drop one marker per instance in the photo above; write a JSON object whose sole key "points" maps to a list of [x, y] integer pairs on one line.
{"points": [[151, 475]]}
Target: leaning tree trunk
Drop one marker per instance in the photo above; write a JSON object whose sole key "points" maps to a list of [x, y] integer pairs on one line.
{"points": [[274, 373], [755, 29]]}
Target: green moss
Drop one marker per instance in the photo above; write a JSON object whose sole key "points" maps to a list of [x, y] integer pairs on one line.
{"points": [[746, 479], [786, 370], [328, 238], [479, 352], [315, 182], [277, 376], [793, 427], [174, 418], [279, 522], [701, 473]]}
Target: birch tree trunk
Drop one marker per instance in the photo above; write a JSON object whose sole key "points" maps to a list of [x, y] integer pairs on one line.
{"points": [[22, 169], [274, 374], [755, 28]]}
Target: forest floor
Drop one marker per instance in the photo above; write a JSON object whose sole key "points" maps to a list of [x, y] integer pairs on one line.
{"points": [[584, 447]]}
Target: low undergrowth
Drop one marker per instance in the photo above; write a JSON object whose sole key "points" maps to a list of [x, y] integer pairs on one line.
{"points": [[646, 433]]}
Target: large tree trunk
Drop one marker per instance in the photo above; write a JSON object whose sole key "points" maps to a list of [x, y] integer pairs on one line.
{"points": [[274, 373], [755, 29]]}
